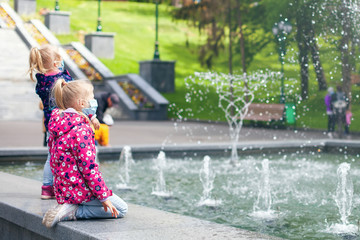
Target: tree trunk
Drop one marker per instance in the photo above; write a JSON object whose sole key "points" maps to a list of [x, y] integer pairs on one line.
{"points": [[345, 65], [304, 72], [320, 76], [242, 41], [345, 50], [230, 40], [230, 61], [315, 55], [303, 54]]}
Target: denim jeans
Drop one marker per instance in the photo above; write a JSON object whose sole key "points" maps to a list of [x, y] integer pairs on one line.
{"points": [[48, 178], [94, 209]]}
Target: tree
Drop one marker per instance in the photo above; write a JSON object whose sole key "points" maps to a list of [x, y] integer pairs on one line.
{"points": [[307, 43], [237, 17], [208, 16], [305, 18], [342, 22]]}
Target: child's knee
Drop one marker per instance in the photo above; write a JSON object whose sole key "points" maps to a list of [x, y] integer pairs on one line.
{"points": [[122, 209]]}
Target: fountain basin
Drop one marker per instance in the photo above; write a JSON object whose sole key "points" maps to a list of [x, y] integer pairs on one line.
{"points": [[21, 211], [302, 180], [38, 154]]}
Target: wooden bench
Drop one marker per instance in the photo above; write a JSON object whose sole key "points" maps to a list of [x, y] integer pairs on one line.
{"points": [[265, 112]]}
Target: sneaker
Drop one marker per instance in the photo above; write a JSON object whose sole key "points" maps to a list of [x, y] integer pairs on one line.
{"points": [[47, 192], [62, 212]]}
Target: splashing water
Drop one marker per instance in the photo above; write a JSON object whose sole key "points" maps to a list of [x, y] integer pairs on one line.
{"points": [[344, 192], [125, 161], [160, 188], [263, 201], [300, 185], [343, 199], [207, 176], [262, 205], [236, 93]]}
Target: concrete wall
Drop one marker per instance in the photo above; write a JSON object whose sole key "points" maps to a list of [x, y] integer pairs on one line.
{"points": [[21, 212]]}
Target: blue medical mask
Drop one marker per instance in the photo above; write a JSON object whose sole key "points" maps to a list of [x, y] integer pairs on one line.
{"points": [[62, 66], [91, 111]]}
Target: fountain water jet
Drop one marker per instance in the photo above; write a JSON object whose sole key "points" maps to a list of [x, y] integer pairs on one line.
{"points": [[262, 206], [207, 176], [160, 188], [125, 161], [236, 93], [343, 199]]}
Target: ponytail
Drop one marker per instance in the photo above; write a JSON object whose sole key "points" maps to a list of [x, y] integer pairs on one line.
{"points": [[57, 93], [35, 62]]}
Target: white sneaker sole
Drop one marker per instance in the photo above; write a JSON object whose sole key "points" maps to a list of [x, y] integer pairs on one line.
{"points": [[54, 215]]}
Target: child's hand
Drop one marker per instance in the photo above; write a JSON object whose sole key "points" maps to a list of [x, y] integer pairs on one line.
{"points": [[107, 204], [96, 123]]}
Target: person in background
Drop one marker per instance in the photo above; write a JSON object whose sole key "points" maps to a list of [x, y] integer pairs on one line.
{"points": [[81, 192], [102, 134], [105, 100], [348, 116], [340, 104], [329, 111]]}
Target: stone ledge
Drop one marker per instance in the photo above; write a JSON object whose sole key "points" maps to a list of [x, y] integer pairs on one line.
{"points": [[21, 211], [12, 155]]}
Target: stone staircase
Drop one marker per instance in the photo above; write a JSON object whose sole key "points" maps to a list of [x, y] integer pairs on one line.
{"points": [[18, 100], [138, 99]]}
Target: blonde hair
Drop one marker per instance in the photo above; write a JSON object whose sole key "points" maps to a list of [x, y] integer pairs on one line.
{"points": [[41, 59], [66, 94]]}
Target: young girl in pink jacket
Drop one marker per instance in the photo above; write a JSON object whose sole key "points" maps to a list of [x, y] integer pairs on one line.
{"points": [[80, 190]]}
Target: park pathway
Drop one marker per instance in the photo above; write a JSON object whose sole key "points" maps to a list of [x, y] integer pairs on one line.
{"points": [[18, 100]]}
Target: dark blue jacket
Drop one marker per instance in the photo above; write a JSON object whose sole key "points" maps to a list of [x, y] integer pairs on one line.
{"points": [[43, 89]]}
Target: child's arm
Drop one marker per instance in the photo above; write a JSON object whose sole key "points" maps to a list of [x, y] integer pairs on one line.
{"points": [[95, 122], [107, 204]]}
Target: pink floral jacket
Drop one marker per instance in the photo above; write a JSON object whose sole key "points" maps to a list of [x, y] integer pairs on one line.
{"points": [[72, 147]]}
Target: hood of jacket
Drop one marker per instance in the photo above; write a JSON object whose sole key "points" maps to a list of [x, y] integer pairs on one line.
{"points": [[62, 122]]}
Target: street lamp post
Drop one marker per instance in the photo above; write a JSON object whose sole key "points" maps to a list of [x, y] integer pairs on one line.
{"points": [[57, 7], [99, 27], [280, 31], [156, 53]]}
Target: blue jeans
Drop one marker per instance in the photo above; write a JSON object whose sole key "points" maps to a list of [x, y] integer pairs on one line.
{"points": [[94, 209], [48, 178]]}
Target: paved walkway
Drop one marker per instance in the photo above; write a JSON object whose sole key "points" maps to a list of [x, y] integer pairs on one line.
{"points": [[167, 133], [18, 99]]}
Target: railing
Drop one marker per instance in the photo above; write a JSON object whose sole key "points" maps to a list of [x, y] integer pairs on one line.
{"points": [[36, 34], [9, 22]]}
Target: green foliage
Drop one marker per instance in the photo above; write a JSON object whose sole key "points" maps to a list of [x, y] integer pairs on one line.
{"points": [[255, 40], [134, 25]]}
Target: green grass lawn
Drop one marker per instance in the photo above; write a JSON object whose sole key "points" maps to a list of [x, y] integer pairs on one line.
{"points": [[134, 25]]}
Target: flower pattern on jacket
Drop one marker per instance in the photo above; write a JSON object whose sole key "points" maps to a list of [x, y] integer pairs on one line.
{"points": [[77, 178], [43, 89]]}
